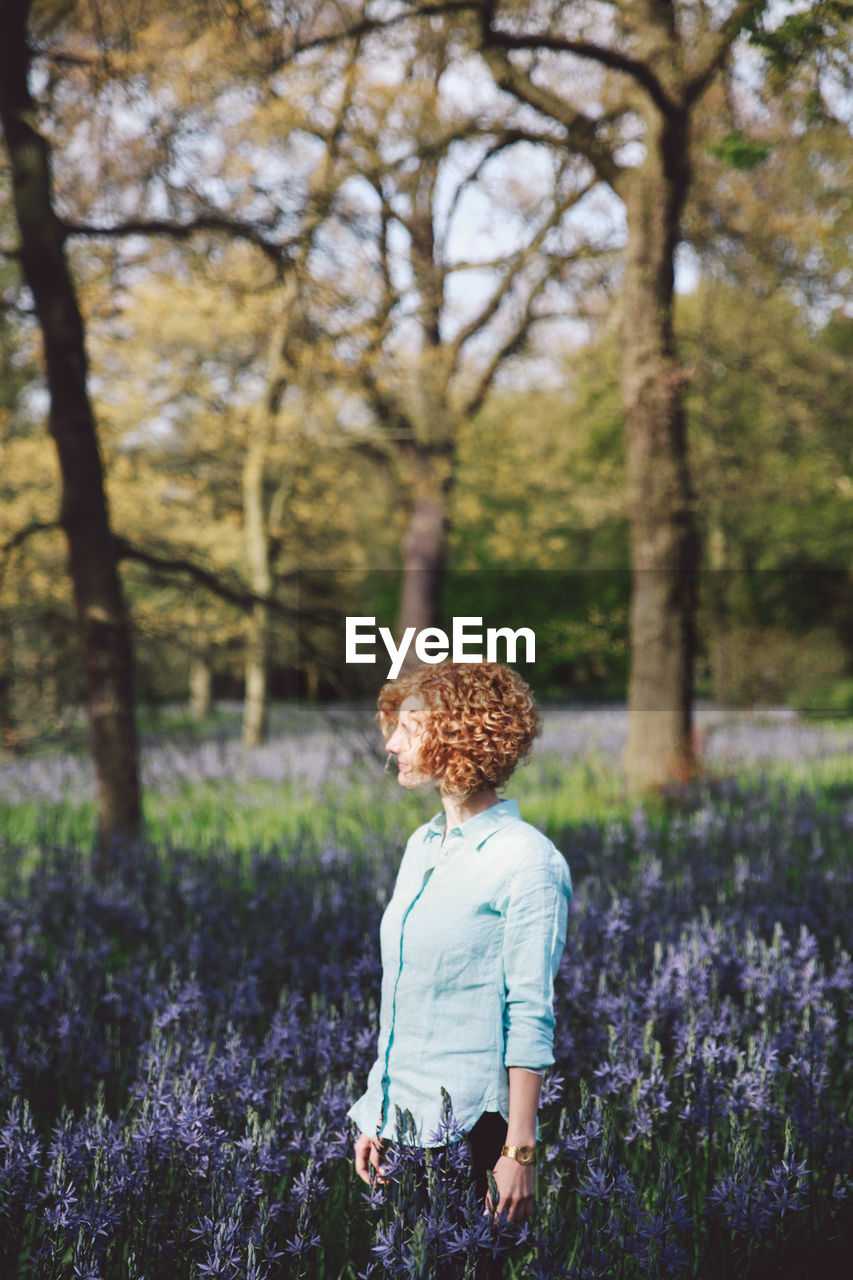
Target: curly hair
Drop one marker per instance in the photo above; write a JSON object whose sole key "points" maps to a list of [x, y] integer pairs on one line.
{"points": [[480, 722]]}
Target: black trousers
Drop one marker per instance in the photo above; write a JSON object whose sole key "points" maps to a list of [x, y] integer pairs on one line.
{"points": [[486, 1139]]}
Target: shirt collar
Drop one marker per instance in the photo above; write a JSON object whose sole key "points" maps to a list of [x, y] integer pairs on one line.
{"points": [[477, 829]]}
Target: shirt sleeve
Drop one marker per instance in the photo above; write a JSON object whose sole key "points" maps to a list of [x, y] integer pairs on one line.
{"points": [[535, 908]]}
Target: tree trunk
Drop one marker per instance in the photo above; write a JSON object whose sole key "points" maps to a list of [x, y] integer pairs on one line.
{"points": [[718, 628], [102, 624], [260, 577], [10, 742], [201, 684], [255, 691], [664, 550], [424, 547]]}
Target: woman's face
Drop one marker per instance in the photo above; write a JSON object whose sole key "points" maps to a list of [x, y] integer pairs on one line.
{"points": [[405, 742]]}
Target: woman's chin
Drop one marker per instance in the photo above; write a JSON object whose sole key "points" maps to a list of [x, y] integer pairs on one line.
{"points": [[410, 778]]}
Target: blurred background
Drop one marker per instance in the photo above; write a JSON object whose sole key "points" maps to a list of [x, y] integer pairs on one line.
{"points": [[362, 322]]}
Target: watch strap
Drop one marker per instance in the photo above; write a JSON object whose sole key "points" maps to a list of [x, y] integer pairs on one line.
{"points": [[524, 1155]]}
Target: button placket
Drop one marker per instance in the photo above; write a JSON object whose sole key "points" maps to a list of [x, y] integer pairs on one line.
{"points": [[386, 1079]]}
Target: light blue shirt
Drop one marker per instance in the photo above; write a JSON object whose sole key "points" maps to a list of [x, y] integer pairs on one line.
{"points": [[471, 941]]}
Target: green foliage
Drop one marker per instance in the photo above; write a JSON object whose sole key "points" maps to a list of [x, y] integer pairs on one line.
{"points": [[764, 664], [791, 41], [831, 700], [771, 459], [539, 534], [769, 449], [739, 152]]}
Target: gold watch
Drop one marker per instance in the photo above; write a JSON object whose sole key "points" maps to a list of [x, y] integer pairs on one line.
{"points": [[524, 1155]]}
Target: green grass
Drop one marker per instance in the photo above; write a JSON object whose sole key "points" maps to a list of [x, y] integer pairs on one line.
{"points": [[813, 775], [240, 817], [261, 815], [553, 794], [66, 823]]}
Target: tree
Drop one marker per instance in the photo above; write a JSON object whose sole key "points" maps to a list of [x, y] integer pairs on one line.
{"points": [[768, 206], [660, 57], [659, 60], [198, 197], [39, 675], [418, 361], [623, 82], [184, 362], [102, 625], [290, 351], [432, 322]]}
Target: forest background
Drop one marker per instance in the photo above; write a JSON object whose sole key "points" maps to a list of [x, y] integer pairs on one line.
{"points": [[354, 294], [538, 312]]}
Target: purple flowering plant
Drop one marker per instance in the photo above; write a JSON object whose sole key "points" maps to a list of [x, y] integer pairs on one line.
{"points": [[180, 1043]]}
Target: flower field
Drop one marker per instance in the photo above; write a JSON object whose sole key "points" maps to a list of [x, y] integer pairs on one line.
{"points": [[180, 1045]]}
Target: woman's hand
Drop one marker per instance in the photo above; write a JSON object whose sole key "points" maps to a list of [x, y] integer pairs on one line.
{"points": [[515, 1184], [368, 1151], [516, 1181]]}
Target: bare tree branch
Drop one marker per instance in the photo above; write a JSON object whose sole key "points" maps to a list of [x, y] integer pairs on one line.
{"points": [[511, 346], [505, 287], [23, 535], [63, 59], [614, 59], [508, 138], [383, 318], [365, 26], [582, 129], [278, 254], [714, 46], [172, 566], [179, 566], [487, 264]]}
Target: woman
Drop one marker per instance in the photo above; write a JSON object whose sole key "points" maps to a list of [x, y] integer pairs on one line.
{"points": [[472, 936]]}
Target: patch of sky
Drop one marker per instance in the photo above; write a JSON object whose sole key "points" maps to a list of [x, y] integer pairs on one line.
{"points": [[687, 268]]}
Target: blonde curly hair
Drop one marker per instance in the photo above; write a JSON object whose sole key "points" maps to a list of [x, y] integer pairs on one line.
{"points": [[480, 722]]}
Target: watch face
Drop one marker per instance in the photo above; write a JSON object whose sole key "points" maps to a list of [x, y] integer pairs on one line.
{"points": [[524, 1155]]}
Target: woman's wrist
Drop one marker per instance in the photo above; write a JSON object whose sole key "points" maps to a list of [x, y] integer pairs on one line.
{"points": [[524, 1087], [521, 1138]]}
